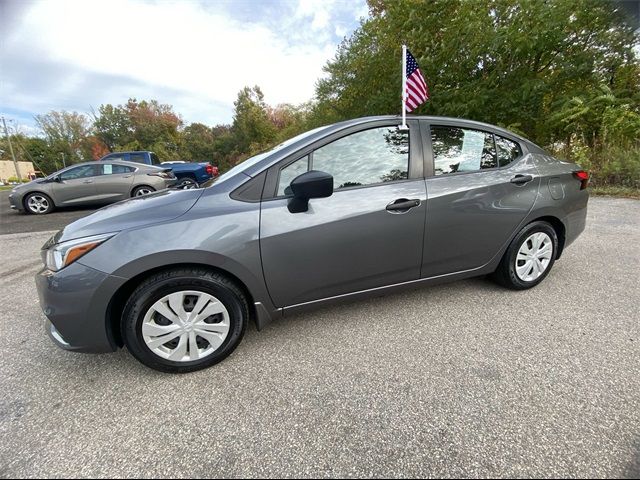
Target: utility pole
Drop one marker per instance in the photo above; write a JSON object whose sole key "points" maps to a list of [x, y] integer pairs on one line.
{"points": [[15, 163]]}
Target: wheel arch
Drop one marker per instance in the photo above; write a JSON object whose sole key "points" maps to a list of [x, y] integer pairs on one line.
{"points": [[117, 303], [558, 226]]}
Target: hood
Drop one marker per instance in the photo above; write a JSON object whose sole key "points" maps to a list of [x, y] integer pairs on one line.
{"points": [[135, 212], [30, 184]]}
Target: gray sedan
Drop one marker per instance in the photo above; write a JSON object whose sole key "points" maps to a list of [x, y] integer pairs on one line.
{"points": [[90, 183], [345, 211]]}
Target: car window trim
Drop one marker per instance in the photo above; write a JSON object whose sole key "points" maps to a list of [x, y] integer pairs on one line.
{"points": [[430, 164], [415, 166]]}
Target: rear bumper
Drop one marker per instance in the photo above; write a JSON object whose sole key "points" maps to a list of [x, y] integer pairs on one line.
{"points": [[75, 301], [576, 220]]}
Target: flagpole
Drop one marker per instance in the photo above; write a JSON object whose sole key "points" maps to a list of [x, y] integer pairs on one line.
{"points": [[404, 87]]}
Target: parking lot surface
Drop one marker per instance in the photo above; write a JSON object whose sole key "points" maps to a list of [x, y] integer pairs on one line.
{"points": [[458, 380], [13, 222]]}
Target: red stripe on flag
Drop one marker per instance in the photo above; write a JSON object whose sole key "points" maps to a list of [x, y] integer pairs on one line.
{"points": [[416, 99], [423, 82], [415, 83]]}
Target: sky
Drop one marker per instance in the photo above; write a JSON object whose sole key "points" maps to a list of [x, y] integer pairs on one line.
{"points": [[195, 55]]}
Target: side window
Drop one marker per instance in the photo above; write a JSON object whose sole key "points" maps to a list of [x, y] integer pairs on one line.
{"points": [[508, 151], [137, 157], [154, 159], [290, 172], [78, 172], [458, 149], [364, 158], [115, 158], [113, 169]]}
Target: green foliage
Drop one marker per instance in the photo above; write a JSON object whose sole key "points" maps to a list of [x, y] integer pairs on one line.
{"points": [[251, 128], [144, 125], [561, 73], [66, 133]]}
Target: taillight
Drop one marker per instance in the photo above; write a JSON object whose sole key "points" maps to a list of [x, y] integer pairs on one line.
{"points": [[212, 171], [583, 176]]}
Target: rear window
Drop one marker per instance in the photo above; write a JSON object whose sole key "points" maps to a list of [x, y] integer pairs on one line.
{"points": [[137, 157], [154, 159]]}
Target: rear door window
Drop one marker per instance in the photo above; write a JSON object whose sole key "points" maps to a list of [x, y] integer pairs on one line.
{"points": [[457, 149], [114, 169]]}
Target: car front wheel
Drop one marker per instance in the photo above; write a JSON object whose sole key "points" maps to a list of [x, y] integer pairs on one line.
{"points": [[38, 204], [184, 320], [529, 258]]}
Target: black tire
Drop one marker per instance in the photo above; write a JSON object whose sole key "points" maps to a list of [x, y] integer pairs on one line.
{"points": [[186, 183], [46, 205], [137, 192], [170, 281], [506, 274]]}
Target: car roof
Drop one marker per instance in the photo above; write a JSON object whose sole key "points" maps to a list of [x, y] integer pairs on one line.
{"points": [[436, 119], [115, 162]]}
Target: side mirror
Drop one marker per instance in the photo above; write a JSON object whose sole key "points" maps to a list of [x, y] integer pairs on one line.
{"points": [[57, 179], [312, 184]]}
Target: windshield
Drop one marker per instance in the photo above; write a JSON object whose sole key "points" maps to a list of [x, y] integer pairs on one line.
{"points": [[249, 162]]}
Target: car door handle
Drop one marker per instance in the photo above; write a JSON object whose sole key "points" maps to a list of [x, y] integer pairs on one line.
{"points": [[88, 181], [126, 176], [521, 179], [402, 204]]}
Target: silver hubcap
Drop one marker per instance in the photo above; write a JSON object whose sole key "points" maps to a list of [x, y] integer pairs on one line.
{"points": [[143, 191], [187, 185], [185, 326], [534, 256], [38, 204]]}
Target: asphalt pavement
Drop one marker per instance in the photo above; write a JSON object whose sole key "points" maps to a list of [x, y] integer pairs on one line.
{"points": [[12, 221], [459, 380]]}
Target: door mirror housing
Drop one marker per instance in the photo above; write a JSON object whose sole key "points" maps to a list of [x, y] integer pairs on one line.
{"points": [[57, 179], [312, 184]]}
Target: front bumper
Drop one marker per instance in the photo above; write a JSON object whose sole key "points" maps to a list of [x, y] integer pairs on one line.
{"points": [[14, 202], [75, 301]]}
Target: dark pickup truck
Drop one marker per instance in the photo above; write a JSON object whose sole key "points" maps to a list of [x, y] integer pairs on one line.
{"points": [[189, 175]]}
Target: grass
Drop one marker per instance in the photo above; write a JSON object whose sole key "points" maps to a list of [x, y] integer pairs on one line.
{"points": [[6, 187], [613, 191]]}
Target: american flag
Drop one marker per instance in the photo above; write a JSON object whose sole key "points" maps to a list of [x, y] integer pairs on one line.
{"points": [[417, 90]]}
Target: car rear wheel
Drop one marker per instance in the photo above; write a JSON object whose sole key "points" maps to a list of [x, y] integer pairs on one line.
{"points": [[529, 258], [186, 184], [38, 203], [184, 320], [142, 190]]}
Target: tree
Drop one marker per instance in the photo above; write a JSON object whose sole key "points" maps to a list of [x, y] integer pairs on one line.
{"points": [[66, 132], [506, 62], [252, 129], [139, 125]]}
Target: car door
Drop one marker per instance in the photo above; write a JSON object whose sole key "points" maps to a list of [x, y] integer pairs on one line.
{"points": [[114, 181], [75, 185], [353, 240], [480, 185]]}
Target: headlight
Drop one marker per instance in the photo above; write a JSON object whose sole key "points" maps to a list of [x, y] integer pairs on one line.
{"points": [[58, 256]]}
